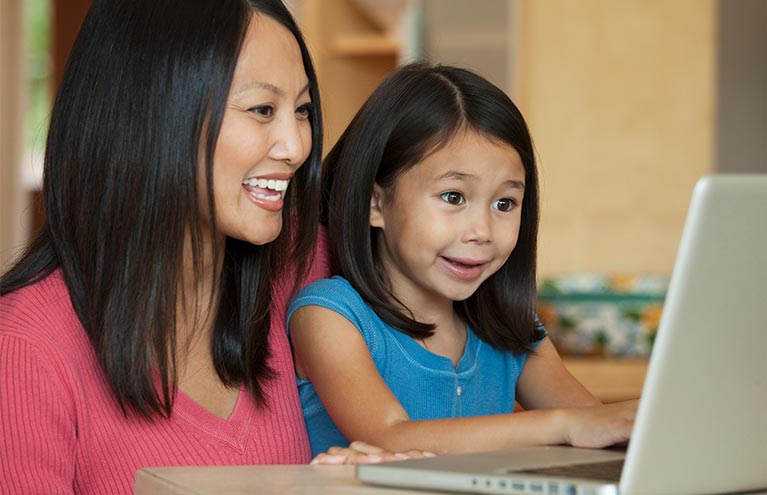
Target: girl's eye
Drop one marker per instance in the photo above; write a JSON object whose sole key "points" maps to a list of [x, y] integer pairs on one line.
{"points": [[263, 110], [453, 198], [504, 204], [304, 111]]}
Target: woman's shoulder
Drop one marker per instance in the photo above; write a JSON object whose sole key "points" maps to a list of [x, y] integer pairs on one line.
{"points": [[42, 314]]}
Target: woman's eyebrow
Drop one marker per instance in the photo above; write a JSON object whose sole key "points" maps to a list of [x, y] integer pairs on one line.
{"points": [[267, 87]]}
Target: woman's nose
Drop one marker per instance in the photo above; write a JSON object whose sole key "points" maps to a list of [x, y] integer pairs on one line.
{"points": [[292, 140]]}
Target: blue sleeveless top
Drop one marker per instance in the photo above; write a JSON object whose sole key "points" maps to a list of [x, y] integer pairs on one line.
{"points": [[427, 385]]}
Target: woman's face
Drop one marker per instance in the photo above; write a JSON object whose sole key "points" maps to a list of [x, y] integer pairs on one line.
{"points": [[265, 134]]}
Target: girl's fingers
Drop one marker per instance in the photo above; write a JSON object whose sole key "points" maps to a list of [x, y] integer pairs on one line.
{"points": [[365, 448], [418, 453], [329, 459], [364, 453]]}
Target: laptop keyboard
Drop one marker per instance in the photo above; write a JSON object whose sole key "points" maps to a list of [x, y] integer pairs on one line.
{"points": [[603, 471]]}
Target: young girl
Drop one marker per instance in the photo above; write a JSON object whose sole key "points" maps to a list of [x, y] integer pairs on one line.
{"points": [[429, 335]]}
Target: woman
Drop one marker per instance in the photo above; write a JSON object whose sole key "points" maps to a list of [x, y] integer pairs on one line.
{"points": [[139, 328]]}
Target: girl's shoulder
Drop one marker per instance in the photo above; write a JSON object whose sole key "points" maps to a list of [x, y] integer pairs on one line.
{"points": [[335, 288], [339, 296]]}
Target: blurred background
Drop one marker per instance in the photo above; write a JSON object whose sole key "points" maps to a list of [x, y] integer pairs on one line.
{"points": [[629, 103]]}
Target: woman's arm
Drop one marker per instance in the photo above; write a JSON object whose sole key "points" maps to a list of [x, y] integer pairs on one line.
{"points": [[37, 450], [330, 351]]}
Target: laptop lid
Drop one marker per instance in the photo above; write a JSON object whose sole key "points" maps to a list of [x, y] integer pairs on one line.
{"points": [[702, 420], [701, 426]]}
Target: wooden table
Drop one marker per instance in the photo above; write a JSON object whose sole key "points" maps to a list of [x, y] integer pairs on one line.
{"points": [[263, 480], [251, 480]]}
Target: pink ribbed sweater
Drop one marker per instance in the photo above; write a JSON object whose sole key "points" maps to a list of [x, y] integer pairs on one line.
{"points": [[61, 431]]}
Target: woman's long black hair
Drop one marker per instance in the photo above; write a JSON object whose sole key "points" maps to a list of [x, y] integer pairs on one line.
{"points": [[415, 112], [140, 106]]}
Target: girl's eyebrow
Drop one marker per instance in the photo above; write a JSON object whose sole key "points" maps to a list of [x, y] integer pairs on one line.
{"points": [[460, 176], [265, 86], [454, 175], [515, 184]]}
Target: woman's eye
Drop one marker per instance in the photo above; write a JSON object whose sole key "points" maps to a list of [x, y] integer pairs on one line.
{"points": [[263, 110], [452, 197], [504, 204], [304, 111]]}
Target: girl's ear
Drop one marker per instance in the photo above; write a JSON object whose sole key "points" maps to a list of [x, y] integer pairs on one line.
{"points": [[376, 203]]}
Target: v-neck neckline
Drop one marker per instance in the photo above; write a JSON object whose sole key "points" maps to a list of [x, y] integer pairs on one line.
{"points": [[232, 430], [437, 362]]}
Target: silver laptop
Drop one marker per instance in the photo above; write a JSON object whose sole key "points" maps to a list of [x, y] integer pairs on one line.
{"points": [[701, 426]]}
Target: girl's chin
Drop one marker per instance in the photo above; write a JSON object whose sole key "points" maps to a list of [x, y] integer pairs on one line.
{"points": [[461, 293]]}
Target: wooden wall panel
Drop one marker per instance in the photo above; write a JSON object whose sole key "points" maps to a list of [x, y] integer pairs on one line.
{"points": [[620, 98]]}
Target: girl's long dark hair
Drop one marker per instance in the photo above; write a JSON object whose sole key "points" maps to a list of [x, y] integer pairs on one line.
{"points": [[413, 113], [139, 107]]}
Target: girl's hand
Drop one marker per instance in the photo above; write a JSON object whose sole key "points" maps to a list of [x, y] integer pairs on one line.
{"points": [[363, 453], [600, 426]]}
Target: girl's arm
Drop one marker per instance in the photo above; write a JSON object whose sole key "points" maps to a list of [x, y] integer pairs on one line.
{"points": [[331, 352], [546, 383]]}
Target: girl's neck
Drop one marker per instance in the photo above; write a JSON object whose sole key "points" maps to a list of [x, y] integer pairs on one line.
{"points": [[449, 337], [418, 304], [448, 340]]}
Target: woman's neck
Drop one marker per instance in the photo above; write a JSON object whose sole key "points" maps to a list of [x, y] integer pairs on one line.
{"points": [[197, 300]]}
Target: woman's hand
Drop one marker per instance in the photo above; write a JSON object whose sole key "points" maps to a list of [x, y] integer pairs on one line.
{"points": [[363, 453], [600, 426]]}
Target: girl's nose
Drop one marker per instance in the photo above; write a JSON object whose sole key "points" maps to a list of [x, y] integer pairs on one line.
{"points": [[479, 227], [292, 141]]}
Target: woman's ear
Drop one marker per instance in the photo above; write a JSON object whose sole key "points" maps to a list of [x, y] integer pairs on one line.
{"points": [[376, 203]]}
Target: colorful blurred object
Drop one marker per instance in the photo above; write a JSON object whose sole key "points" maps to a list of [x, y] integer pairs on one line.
{"points": [[610, 315]]}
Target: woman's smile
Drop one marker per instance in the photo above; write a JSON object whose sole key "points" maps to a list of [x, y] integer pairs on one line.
{"points": [[267, 192]]}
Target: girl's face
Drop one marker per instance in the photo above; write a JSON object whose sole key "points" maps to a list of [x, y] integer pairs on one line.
{"points": [[450, 221], [265, 134]]}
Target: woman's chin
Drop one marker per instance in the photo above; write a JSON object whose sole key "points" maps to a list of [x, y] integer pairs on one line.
{"points": [[263, 235]]}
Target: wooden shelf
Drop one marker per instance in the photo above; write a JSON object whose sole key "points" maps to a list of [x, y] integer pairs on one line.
{"points": [[364, 45], [609, 379], [351, 57]]}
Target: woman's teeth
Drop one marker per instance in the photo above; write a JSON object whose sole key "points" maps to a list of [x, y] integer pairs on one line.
{"points": [[273, 184]]}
